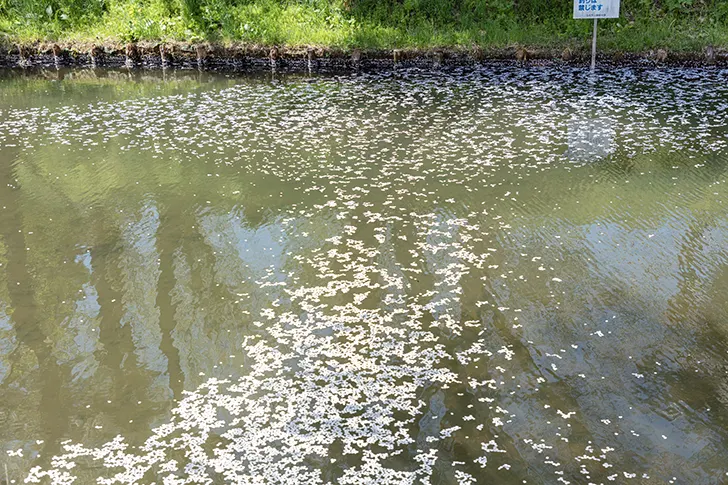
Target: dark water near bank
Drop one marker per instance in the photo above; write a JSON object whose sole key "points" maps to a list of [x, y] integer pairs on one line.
{"points": [[490, 276]]}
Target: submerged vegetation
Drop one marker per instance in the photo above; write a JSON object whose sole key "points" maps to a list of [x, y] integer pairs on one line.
{"points": [[679, 25]]}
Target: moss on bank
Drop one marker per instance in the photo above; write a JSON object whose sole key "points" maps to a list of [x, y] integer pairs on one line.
{"points": [[677, 25]]}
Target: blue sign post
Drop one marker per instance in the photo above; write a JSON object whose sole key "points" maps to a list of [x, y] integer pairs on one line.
{"points": [[596, 9]]}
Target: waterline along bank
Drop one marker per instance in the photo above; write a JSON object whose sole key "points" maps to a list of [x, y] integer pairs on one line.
{"points": [[217, 56]]}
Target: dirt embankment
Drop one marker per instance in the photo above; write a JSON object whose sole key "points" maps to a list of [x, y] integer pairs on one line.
{"points": [[245, 56]]}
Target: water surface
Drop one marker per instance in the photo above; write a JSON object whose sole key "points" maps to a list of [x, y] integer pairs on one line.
{"points": [[495, 275]]}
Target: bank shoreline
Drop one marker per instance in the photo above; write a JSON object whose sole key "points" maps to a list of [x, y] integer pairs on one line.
{"points": [[231, 56]]}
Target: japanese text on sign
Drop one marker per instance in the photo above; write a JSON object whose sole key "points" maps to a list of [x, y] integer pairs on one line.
{"points": [[599, 9]]}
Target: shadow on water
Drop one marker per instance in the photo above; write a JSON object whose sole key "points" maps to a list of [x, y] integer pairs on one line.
{"points": [[30, 329]]}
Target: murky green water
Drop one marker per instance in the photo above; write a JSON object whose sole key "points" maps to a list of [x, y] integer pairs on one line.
{"points": [[493, 276]]}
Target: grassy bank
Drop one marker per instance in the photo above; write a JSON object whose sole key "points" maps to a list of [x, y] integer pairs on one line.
{"points": [[677, 25]]}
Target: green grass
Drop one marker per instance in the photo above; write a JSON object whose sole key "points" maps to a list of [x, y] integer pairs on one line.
{"points": [[679, 25]]}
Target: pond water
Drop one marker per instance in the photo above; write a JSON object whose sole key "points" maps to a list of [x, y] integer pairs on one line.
{"points": [[491, 275]]}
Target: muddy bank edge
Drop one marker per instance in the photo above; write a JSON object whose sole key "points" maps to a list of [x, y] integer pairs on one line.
{"points": [[246, 56]]}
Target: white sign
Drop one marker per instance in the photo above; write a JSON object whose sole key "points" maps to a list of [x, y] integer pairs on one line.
{"points": [[596, 9]]}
